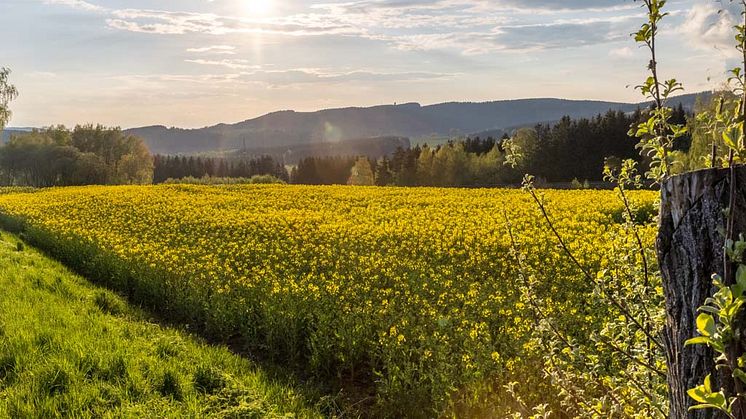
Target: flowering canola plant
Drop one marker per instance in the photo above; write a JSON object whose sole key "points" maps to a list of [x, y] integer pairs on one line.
{"points": [[410, 293]]}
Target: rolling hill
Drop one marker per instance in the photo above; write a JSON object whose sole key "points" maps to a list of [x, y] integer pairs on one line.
{"points": [[292, 130]]}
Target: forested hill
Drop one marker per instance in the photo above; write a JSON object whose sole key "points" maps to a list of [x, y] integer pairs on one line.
{"points": [[289, 128]]}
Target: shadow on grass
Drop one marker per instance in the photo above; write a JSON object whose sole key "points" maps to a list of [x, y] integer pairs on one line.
{"points": [[160, 300]]}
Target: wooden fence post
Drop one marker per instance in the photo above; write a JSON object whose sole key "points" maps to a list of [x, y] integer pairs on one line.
{"points": [[690, 249]]}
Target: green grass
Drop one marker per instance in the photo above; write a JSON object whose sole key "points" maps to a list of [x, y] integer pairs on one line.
{"points": [[70, 349]]}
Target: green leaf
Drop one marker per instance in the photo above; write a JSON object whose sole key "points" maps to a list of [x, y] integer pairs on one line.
{"points": [[709, 309], [741, 276], [738, 373], [699, 340], [707, 406], [707, 384], [697, 394], [728, 140], [705, 324], [703, 394]]}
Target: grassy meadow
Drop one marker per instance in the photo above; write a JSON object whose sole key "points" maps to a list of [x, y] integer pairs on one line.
{"points": [[402, 302], [71, 349]]}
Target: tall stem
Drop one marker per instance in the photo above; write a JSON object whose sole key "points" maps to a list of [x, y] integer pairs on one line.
{"points": [[660, 125]]}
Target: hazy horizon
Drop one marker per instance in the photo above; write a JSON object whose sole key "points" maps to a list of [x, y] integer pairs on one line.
{"points": [[199, 63]]}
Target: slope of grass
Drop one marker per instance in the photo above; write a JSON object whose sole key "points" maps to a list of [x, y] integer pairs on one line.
{"points": [[69, 349]]}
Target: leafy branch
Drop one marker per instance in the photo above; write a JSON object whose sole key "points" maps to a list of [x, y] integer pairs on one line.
{"points": [[657, 134]]}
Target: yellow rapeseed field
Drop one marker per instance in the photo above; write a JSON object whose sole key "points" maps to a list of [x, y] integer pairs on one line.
{"points": [[406, 295]]}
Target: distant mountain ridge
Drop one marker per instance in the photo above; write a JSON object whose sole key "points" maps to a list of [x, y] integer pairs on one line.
{"points": [[292, 129]]}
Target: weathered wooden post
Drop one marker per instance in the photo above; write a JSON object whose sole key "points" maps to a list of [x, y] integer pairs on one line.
{"points": [[690, 249]]}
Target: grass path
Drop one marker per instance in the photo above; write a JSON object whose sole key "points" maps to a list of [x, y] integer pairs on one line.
{"points": [[70, 349]]}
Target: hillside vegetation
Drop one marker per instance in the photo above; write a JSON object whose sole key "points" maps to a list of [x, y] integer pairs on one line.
{"points": [[406, 301], [70, 349], [290, 128]]}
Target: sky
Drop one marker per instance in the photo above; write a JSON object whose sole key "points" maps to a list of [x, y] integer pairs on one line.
{"points": [[194, 63]]}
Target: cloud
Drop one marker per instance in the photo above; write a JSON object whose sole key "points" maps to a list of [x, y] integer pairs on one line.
{"points": [[558, 5], [516, 38], [78, 4], [469, 27], [707, 27], [276, 79], [478, 6], [232, 64], [179, 23], [215, 49]]}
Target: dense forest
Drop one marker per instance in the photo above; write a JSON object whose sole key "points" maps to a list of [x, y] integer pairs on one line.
{"points": [[571, 149], [179, 167], [561, 152]]}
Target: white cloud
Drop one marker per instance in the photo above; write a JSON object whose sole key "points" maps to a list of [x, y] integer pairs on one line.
{"points": [[162, 22], [78, 4], [232, 64], [215, 49], [707, 27], [286, 78], [469, 27]]}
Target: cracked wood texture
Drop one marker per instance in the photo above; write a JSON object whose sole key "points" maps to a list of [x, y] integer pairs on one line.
{"points": [[690, 249]]}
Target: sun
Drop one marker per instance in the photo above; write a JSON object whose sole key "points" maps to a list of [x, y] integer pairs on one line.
{"points": [[257, 8]]}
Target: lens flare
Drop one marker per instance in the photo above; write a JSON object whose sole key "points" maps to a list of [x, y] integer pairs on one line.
{"points": [[258, 8]]}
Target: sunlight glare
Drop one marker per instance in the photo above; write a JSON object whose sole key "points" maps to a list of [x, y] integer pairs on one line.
{"points": [[258, 8]]}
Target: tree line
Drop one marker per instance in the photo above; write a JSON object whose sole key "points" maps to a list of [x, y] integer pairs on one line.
{"points": [[180, 167], [570, 149], [85, 155]]}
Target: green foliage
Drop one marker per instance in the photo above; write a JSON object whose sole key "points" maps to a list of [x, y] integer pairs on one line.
{"points": [[175, 168], [612, 365], [657, 135], [64, 355], [266, 180], [718, 328], [361, 173], [521, 149], [707, 148], [708, 399], [576, 184], [8, 92], [557, 152], [719, 322], [452, 165], [87, 155], [211, 180]]}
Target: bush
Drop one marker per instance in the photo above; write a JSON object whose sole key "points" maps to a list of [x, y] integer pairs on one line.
{"points": [[211, 180]]}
